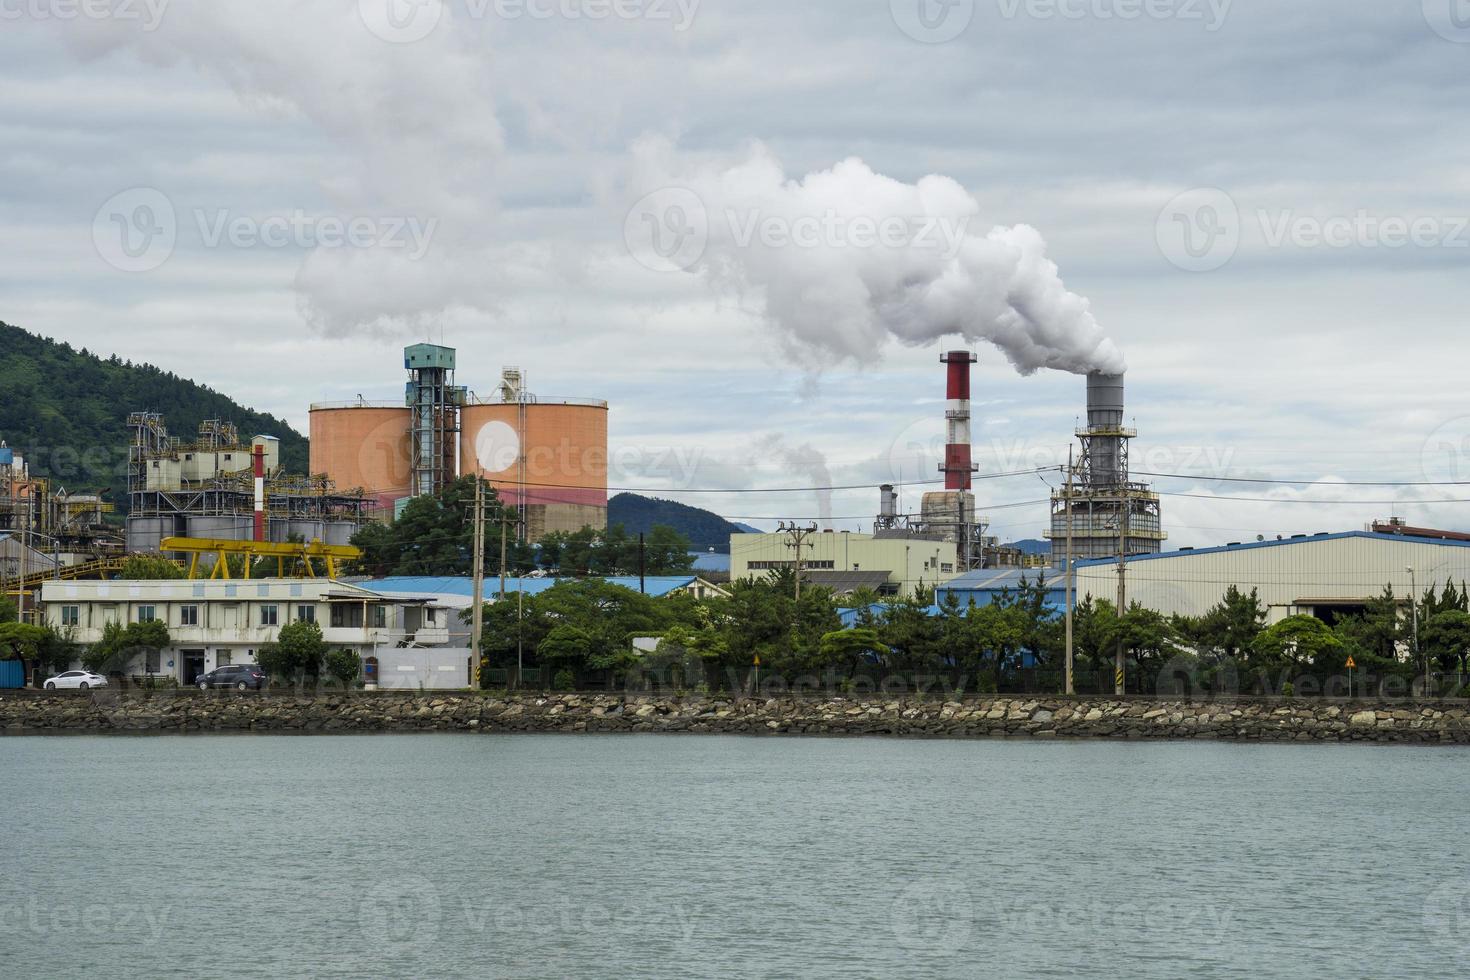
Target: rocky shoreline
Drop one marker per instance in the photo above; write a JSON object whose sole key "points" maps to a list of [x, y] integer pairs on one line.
{"points": [[1438, 722]]}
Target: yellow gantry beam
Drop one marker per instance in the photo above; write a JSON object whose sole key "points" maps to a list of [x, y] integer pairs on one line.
{"points": [[308, 553]]}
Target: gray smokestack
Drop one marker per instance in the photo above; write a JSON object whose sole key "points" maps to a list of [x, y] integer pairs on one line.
{"points": [[1104, 417]]}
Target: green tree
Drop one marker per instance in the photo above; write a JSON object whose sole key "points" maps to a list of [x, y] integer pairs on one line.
{"points": [[120, 644], [297, 653], [57, 649], [1445, 636], [615, 552], [140, 567], [913, 638], [21, 641], [344, 665], [1228, 631], [848, 649], [1296, 644], [435, 536]]}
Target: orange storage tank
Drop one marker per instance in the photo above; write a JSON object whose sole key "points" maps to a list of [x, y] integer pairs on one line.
{"points": [[546, 458], [363, 445]]}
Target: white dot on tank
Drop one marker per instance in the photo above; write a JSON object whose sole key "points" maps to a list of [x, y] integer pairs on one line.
{"points": [[497, 447]]}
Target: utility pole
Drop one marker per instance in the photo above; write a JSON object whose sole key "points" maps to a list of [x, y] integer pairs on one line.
{"points": [[20, 592], [1414, 612], [1071, 581], [798, 540], [642, 565], [504, 523], [478, 613], [1119, 677]]}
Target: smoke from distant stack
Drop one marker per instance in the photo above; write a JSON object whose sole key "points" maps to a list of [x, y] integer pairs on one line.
{"points": [[833, 296]]}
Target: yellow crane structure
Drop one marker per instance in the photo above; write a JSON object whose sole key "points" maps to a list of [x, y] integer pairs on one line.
{"points": [[296, 558]]}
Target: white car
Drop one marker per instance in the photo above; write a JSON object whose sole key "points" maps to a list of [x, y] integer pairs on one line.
{"points": [[81, 679]]}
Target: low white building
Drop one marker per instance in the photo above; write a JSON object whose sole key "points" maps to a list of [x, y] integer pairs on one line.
{"points": [[891, 562], [1323, 575], [412, 641]]}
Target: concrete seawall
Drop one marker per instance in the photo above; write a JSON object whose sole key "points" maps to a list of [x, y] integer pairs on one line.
{"points": [[1439, 722]]}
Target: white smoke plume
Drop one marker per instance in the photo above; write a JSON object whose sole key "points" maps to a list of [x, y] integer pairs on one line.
{"points": [[845, 259], [806, 460]]}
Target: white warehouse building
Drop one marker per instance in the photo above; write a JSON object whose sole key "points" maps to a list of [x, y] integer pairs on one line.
{"points": [[410, 641], [1324, 575], [889, 562]]}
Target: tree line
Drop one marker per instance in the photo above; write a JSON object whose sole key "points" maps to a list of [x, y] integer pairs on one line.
{"points": [[581, 633], [435, 536]]}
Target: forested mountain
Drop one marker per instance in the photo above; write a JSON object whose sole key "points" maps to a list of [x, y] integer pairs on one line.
{"points": [[704, 529], [66, 410]]}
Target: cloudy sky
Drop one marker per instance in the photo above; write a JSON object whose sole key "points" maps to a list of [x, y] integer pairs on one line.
{"points": [[1264, 207]]}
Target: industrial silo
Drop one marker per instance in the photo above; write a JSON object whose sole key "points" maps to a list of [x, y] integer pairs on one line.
{"points": [[546, 457], [363, 445]]}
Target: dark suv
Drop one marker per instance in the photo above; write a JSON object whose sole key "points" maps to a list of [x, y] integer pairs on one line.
{"points": [[243, 677]]}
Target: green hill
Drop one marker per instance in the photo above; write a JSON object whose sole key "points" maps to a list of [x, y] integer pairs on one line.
{"points": [[67, 410], [704, 529]]}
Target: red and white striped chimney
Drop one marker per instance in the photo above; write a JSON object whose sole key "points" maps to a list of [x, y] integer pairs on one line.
{"points": [[259, 493], [958, 469]]}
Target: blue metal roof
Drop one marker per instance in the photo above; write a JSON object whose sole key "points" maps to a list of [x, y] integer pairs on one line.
{"points": [[658, 585], [1250, 545]]}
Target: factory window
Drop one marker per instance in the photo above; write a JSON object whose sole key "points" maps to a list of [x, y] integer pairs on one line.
{"points": [[810, 566], [430, 616], [346, 616], [188, 615], [380, 617], [70, 616], [946, 567], [146, 614], [268, 616], [306, 614]]}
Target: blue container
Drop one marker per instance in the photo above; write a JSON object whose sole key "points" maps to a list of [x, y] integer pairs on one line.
{"points": [[12, 674]]}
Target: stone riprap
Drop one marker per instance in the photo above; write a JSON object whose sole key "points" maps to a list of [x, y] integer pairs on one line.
{"points": [[1438, 722]]}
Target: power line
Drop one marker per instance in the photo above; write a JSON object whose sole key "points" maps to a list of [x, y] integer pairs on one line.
{"points": [[1313, 482]]}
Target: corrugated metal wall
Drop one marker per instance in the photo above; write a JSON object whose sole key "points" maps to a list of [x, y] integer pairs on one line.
{"points": [[1344, 568]]}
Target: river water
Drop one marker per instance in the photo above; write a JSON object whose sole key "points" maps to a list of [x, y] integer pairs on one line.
{"points": [[646, 856]]}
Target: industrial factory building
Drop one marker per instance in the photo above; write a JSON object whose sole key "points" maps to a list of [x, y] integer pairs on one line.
{"points": [[47, 525], [1322, 575], [222, 488], [1100, 512], [545, 456], [891, 562]]}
